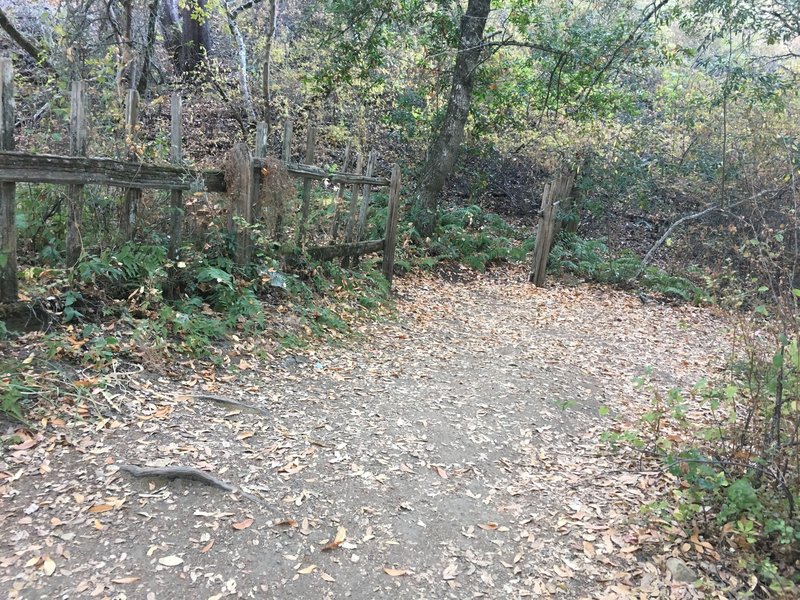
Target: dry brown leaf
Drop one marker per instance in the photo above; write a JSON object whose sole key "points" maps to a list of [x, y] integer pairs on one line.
{"points": [[341, 534], [244, 524], [441, 472], [491, 526], [207, 547], [126, 579], [588, 549], [288, 522], [170, 561], [101, 508], [326, 577], [307, 570], [395, 572]]}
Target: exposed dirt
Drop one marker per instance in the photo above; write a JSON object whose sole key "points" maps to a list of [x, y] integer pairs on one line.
{"points": [[453, 453]]}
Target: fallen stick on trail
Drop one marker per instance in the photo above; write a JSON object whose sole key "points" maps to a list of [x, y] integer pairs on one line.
{"points": [[178, 473], [228, 402], [188, 473]]}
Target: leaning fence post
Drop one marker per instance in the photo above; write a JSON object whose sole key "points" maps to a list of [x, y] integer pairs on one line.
{"points": [[132, 195], [311, 140], [8, 202], [390, 239], [77, 147], [176, 196]]}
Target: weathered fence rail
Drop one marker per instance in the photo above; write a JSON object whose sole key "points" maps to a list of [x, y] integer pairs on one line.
{"points": [[79, 170]]}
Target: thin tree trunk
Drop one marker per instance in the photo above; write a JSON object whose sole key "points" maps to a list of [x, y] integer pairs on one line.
{"points": [[241, 50], [171, 25], [443, 150], [272, 15]]}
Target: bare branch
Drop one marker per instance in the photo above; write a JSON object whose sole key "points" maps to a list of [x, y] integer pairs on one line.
{"points": [[23, 42]]}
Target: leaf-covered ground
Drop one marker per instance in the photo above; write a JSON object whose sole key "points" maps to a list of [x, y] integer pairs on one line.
{"points": [[451, 453]]}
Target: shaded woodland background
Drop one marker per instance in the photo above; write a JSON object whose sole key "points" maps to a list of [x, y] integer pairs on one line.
{"points": [[677, 119]]}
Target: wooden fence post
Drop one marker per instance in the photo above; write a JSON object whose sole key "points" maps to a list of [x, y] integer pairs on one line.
{"points": [[544, 235], [286, 155], [8, 202], [390, 239], [362, 215], [240, 178], [311, 140], [288, 132], [337, 215], [78, 140], [176, 196], [130, 203], [352, 213]]}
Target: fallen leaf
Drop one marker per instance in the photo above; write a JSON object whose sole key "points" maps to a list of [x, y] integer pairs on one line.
{"points": [[326, 577], [170, 561], [441, 472], [288, 522], [307, 570], [491, 526], [101, 508], [395, 572], [341, 534], [207, 547], [49, 566], [126, 579], [244, 524]]}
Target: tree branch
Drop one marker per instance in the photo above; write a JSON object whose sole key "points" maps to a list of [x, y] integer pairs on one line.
{"points": [[649, 256], [236, 11], [23, 42]]}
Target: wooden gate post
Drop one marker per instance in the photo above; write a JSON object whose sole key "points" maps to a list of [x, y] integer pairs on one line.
{"points": [[240, 179], [130, 203], [78, 140], [544, 235], [390, 239], [8, 202], [176, 196]]}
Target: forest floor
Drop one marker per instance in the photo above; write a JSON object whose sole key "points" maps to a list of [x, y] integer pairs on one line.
{"points": [[452, 452]]}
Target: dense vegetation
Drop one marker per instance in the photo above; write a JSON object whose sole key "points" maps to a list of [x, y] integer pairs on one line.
{"points": [[680, 120]]}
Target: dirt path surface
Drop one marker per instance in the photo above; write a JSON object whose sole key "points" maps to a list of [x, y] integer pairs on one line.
{"points": [[453, 453]]}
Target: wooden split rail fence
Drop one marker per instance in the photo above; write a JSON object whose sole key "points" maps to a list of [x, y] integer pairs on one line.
{"points": [[79, 170]]}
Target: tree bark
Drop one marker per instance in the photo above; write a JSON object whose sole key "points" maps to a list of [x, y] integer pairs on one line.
{"points": [[195, 37], [241, 51], [171, 26], [444, 148], [150, 43]]}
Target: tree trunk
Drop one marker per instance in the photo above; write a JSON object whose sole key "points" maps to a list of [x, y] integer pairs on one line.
{"points": [[150, 43], [195, 37], [269, 34], [171, 26], [241, 51], [443, 150]]}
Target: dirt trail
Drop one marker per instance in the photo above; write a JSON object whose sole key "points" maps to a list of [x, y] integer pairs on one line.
{"points": [[458, 447]]}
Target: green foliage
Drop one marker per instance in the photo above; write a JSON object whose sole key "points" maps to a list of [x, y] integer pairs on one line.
{"points": [[473, 237], [591, 259]]}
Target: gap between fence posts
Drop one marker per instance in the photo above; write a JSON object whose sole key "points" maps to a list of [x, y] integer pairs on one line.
{"points": [[391, 225], [78, 141], [8, 203]]}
